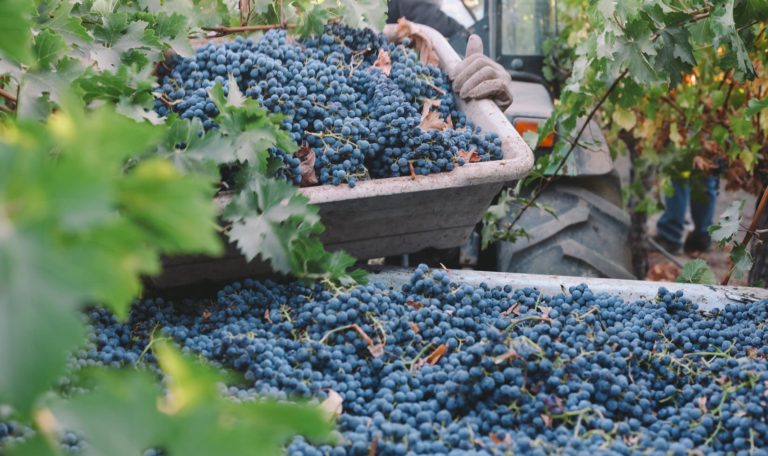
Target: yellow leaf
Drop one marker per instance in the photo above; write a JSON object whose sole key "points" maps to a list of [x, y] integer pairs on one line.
{"points": [[624, 118], [674, 134], [748, 158]]}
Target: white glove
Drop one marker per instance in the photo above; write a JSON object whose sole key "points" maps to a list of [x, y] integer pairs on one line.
{"points": [[479, 77]]}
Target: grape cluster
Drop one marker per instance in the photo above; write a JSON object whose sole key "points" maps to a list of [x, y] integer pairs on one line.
{"points": [[438, 367], [360, 122]]}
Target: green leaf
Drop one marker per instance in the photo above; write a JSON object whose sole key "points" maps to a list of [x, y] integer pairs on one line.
{"points": [[32, 307], [729, 223], [696, 271], [63, 22], [676, 53], [15, 30], [742, 260], [274, 211], [34, 446], [754, 106], [193, 418], [362, 13], [47, 48], [312, 21], [138, 425]]}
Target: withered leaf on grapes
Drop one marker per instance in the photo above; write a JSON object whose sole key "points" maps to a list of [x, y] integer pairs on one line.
{"points": [[307, 165]]}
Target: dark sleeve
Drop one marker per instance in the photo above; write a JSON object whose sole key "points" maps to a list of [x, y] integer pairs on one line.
{"points": [[424, 12]]}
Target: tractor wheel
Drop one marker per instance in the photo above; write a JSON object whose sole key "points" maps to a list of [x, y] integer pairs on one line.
{"points": [[588, 238]]}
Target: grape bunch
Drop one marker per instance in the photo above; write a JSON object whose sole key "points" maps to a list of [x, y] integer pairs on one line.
{"points": [[437, 367], [359, 121]]}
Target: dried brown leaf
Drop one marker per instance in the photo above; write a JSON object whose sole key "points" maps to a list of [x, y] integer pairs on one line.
{"points": [[307, 165], [495, 438], [420, 42], [414, 327], [383, 62], [514, 309], [665, 271], [547, 420], [432, 121], [438, 353], [415, 304], [428, 105], [703, 164], [332, 405], [267, 317], [413, 171], [449, 122], [469, 157]]}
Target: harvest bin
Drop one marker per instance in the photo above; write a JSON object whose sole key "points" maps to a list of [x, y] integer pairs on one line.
{"points": [[392, 216], [708, 297]]}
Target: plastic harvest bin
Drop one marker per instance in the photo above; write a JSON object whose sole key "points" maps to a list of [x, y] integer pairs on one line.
{"points": [[392, 216]]}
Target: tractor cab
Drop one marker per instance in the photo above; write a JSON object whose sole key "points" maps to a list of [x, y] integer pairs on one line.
{"points": [[588, 236], [514, 33]]}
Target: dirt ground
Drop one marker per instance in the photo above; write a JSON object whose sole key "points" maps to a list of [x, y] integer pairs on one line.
{"points": [[663, 269]]}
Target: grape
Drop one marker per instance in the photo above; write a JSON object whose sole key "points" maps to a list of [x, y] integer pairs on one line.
{"points": [[521, 372], [359, 122]]}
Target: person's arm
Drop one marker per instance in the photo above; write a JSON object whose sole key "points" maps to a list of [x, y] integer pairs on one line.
{"points": [[479, 77]]}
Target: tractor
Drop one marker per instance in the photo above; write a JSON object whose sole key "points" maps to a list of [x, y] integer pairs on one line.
{"points": [[584, 229]]}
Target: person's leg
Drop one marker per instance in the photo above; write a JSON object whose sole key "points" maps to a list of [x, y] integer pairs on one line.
{"points": [[703, 200], [671, 225]]}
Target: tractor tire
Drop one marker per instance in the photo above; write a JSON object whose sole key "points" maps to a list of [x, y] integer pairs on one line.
{"points": [[589, 237]]}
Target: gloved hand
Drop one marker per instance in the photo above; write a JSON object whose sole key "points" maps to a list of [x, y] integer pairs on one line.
{"points": [[479, 77]]}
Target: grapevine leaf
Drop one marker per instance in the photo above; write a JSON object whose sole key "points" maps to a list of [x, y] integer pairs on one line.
{"points": [[68, 26], [35, 446], [756, 106], [696, 271], [30, 362], [312, 21], [624, 118], [725, 27], [47, 48], [362, 13], [191, 150], [742, 260], [264, 221], [634, 55], [15, 32], [135, 393], [728, 226], [165, 203], [676, 53]]}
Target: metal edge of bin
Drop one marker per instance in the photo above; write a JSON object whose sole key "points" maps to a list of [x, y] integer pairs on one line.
{"points": [[708, 297]]}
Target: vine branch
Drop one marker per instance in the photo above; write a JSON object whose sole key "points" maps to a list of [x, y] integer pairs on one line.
{"points": [[223, 31], [750, 232], [574, 142], [7, 95]]}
